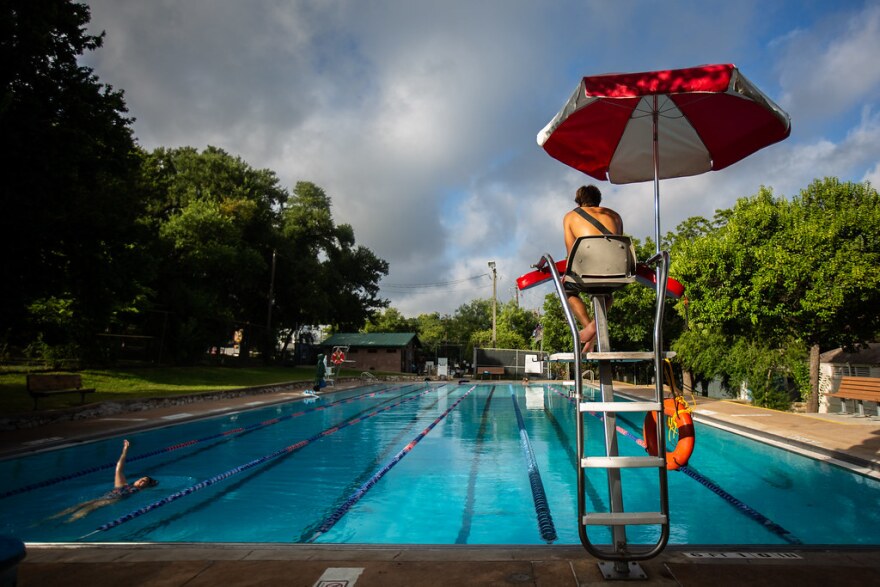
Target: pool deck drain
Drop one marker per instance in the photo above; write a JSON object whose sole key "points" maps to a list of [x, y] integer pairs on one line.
{"points": [[846, 440]]}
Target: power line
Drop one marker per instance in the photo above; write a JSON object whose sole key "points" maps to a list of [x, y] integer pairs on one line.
{"points": [[438, 284]]}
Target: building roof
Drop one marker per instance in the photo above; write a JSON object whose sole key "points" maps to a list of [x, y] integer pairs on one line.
{"points": [[868, 356], [372, 339]]}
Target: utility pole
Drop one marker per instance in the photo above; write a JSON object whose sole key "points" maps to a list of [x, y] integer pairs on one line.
{"points": [[494, 304]]}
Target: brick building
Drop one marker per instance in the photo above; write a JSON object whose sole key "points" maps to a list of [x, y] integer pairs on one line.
{"points": [[378, 351]]}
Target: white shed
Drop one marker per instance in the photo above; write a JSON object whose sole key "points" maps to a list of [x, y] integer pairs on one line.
{"points": [[838, 363]]}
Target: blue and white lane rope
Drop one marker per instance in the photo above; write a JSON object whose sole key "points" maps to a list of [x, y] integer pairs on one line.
{"points": [[234, 471], [343, 509], [542, 507], [743, 507], [173, 447]]}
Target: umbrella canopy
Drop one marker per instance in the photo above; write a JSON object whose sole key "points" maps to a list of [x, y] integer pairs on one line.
{"points": [[631, 127], [698, 119]]}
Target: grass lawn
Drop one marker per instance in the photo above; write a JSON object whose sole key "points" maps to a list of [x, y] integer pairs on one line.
{"points": [[115, 384]]}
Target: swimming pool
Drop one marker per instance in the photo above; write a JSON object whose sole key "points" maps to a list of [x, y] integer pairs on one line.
{"points": [[475, 463]]}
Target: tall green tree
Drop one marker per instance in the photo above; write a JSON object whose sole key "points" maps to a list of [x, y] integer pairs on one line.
{"points": [[332, 280], [799, 274], [70, 202], [513, 328], [468, 318], [214, 219]]}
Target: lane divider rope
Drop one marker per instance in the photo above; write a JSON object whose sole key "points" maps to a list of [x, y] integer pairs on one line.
{"points": [[539, 496], [234, 471], [173, 447]]}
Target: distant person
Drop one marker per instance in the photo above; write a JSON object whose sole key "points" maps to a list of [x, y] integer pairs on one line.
{"points": [[320, 372], [121, 489], [584, 221]]}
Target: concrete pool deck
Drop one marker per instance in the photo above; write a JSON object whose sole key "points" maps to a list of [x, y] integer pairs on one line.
{"points": [[847, 440]]}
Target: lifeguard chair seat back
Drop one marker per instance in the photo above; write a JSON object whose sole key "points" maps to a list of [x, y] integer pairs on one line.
{"points": [[601, 264]]}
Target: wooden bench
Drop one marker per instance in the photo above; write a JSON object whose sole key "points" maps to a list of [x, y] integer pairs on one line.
{"points": [[490, 371], [45, 385], [859, 389]]}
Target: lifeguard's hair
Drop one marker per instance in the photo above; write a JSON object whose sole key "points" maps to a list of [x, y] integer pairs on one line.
{"points": [[588, 195]]}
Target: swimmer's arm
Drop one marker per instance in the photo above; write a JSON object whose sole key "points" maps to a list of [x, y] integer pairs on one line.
{"points": [[120, 480]]}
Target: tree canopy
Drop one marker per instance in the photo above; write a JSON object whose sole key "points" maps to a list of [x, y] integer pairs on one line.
{"points": [[785, 276], [70, 204]]}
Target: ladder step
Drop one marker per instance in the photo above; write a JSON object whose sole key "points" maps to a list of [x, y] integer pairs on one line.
{"points": [[622, 462], [624, 519], [620, 406], [627, 356]]}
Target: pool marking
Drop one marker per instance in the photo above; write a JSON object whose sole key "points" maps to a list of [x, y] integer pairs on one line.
{"points": [[567, 444], [234, 471], [743, 555], [740, 505], [468, 513], [339, 577], [240, 430], [177, 416], [357, 495], [387, 450], [539, 496]]}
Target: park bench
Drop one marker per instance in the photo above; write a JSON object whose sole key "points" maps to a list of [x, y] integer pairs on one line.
{"points": [[490, 371], [859, 389], [39, 385]]}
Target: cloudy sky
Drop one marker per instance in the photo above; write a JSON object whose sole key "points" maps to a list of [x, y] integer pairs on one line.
{"points": [[419, 117]]}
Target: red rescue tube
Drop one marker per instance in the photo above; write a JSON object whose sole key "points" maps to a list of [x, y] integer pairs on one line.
{"points": [[644, 275]]}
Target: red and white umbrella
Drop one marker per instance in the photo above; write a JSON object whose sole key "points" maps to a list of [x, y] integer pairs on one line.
{"points": [[631, 127]]}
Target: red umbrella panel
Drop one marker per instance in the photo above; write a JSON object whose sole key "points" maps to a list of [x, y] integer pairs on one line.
{"points": [[703, 118]]}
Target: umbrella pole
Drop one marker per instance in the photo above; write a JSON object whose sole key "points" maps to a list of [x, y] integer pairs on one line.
{"points": [[655, 114]]}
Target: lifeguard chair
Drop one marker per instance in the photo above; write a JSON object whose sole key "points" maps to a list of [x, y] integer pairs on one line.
{"points": [[598, 266]]}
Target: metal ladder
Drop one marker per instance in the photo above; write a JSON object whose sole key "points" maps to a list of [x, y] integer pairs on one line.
{"points": [[619, 561]]}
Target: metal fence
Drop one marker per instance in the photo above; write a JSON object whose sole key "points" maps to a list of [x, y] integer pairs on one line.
{"points": [[513, 361]]}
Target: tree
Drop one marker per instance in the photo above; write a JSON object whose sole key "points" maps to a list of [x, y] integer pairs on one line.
{"points": [[469, 318], [391, 320], [432, 331], [792, 275], [514, 327], [214, 220], [69, 184], [340, 290]]}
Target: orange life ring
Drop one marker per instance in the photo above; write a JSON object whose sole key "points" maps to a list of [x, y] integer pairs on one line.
{"points": [[676, 410], [338, 357]]}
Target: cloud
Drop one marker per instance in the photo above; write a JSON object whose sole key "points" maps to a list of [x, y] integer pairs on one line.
{"points": [[419, 118], [828, 69]]}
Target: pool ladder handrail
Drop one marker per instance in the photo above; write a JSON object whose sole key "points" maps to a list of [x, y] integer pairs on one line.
{"points": [[620, 555]]}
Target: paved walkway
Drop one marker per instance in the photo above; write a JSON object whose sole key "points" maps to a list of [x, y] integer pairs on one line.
{"points": [[848, 440]]}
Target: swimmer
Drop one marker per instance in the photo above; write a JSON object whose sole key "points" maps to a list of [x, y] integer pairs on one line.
{"points": [[121, 488]]}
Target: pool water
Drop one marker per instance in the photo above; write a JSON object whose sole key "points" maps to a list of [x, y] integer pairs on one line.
{"points": [[423, 464]]}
